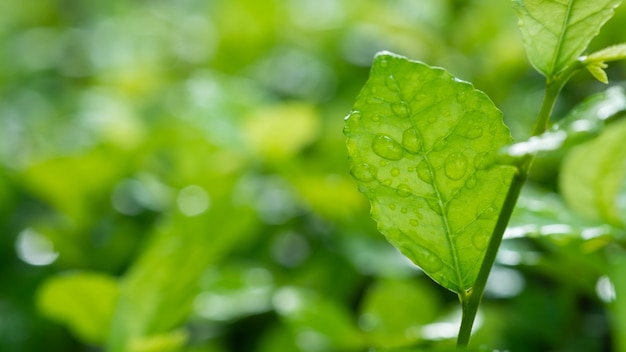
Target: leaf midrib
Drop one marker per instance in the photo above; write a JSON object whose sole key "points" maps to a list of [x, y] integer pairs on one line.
{"points": [[440, 203], [561, 40]]}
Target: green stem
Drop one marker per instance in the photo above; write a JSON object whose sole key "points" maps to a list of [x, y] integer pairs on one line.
{"points": [[471, 300]]}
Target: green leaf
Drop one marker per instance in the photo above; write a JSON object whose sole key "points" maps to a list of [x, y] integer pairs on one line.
{"points": [[84, 301], [417, 138], [556, 32], [593, 176]]}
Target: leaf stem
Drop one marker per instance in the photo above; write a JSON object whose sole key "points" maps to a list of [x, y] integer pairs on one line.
{"points": [[470, 301]]}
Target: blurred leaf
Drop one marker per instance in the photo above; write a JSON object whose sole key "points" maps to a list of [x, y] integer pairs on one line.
{"points": [[278, 132], [158, 291], [72, 184], [542, 213], [84, 301], [393, 312], [593, 176], [168, 342], [617, 268], [317, 322], [584, 122], [555, 33], [417, 139]]}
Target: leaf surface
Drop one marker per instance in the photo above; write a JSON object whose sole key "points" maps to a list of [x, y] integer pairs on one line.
{"points": [[417, 138], [556, 32], [84, 301], [593, 176]]}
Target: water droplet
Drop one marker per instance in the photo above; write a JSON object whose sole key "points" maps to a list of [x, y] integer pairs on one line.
{"points": [[423, 172], [384, 63], [346, 130], [383, 163], [471, 182], [480, 242], [434, 206], [432, 119], [410, 169], [390, 82], [376, 118], [479, 160], [411, 141], [404, 210], [403, 190], [420, 97], [440, 145], [363, 172], [395, 172], [400, 109], [489, 213], [461, 97], [387, 182], [355, 115], [474, 132], [427, 260], [386, 147], [392, 206], [414, 222], [455, 166], [419, 215], [446, 113]]}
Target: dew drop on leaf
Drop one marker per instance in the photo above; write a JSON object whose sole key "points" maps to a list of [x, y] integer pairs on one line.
{"points": [[395, 172], [404, 210], [376, 118], [480, 242], [423, 172], [474, 132], [363, 172], [386, 147], [471, 182], [431, 261], [455, 166], [387, 182], [403, 190], [489, 213], [346, 130], [400, 109], [392, 206], [414, 222], [391, 83], [411, 141], [440, 145]]}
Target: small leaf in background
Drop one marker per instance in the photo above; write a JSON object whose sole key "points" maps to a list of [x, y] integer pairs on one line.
{"points": [[397, 324], [555, 33], [593, 176], [417, 140], [277, 133], [84, 301], [617, 268], [317, 323], [584, 122]]}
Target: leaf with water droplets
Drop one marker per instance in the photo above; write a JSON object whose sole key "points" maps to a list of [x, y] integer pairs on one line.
{"points": [[555, 33], [417, 138]]}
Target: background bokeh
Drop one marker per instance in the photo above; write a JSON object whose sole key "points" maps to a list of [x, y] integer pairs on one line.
{"points": [[173, 177]]}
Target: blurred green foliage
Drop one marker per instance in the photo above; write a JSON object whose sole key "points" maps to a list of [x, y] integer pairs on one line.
{"points": [[173, 177]]}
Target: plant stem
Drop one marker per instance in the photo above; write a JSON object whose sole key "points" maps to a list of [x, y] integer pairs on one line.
{"points": [[471, 300]]}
